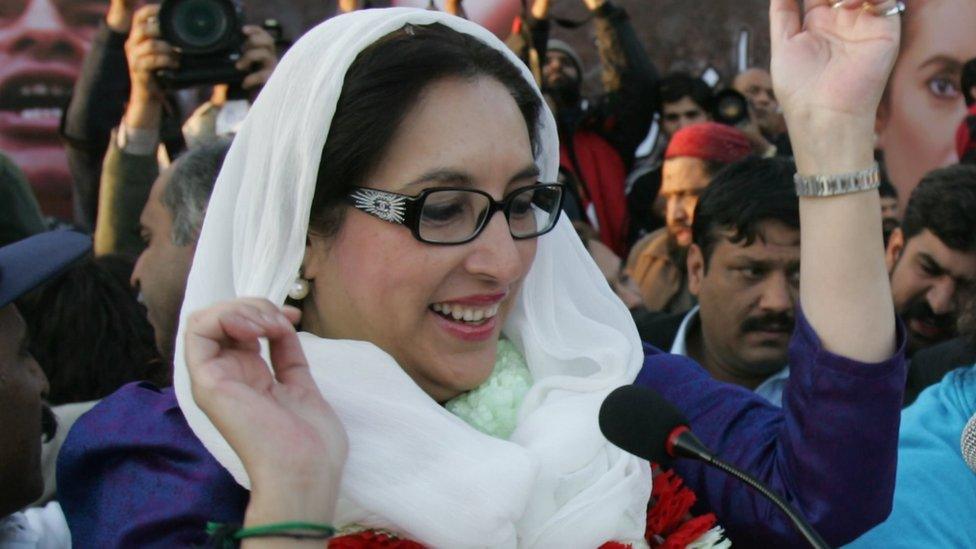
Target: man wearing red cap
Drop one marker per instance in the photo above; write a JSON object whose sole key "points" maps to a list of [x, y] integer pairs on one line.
{"points": [[657, 262]]}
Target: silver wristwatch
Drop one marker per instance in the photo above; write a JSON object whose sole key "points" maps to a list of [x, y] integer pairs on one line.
{"points": [[833, 185]]}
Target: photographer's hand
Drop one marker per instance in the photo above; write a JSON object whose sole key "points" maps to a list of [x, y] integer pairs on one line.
{"points": [[259, 57], [146, 53], [119, 15]]}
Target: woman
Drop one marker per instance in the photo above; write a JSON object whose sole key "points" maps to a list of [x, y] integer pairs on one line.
{"points": [[923, 104], [402, 306]]}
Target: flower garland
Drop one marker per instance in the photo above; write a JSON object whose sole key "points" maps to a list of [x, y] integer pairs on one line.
{"points": [[493, 408]]}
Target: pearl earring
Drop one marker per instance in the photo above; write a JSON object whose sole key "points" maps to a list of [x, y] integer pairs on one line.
{"points": [[299, 289]]}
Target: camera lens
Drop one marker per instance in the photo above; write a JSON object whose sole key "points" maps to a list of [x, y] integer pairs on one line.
{"points": [[200, 24]]}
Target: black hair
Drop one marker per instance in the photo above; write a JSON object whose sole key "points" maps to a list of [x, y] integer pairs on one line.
{"points": [[676, 85], [944, 202], [741, 197], [886, 189], [969, 81], [382, 85], [89, 333]]}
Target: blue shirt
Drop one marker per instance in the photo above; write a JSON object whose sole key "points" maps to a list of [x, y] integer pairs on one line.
{"points": [[935, 492]]}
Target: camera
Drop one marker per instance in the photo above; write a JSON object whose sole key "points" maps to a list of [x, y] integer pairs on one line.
{"points": [[730, 108], [208, 36]]}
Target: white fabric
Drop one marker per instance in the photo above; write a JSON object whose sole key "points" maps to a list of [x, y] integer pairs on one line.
{"points": [[36, 528], [413, 467]]}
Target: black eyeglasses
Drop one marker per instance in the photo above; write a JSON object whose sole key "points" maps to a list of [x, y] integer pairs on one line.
{"points": [[451, 215]]}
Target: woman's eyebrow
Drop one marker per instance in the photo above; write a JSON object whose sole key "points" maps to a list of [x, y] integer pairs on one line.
{"points": [[946, 61], [443, 175], [529, 172]]}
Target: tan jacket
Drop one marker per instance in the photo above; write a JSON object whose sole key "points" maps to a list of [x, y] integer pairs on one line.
{"points": [[663, 284]]}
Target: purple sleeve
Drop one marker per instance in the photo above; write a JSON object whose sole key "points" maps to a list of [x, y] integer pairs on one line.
{"points": [[830, 451], [132, 474]]}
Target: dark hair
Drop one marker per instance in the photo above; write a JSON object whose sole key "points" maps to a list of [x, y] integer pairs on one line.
{"points": [[676, 85], [886, 189], [379, 89], [944, 202], [969, 81], [742, 196], [89, 333]]}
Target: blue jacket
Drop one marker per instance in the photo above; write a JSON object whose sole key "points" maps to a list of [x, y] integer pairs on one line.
{"points": [[935, 492]]}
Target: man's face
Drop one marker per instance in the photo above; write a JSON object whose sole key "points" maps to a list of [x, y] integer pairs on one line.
{"points": [[683, 112], [161, 270], [22, 390], [757, 86], [683, 179], [748, 295], [42, 44], [927, 280], [560, 73]]}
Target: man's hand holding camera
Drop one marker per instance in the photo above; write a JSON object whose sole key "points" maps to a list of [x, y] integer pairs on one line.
{"points": [[259, 57], [146, 53]]}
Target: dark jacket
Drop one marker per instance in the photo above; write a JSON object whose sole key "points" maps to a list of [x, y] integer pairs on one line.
{"points": [[658, 328]]}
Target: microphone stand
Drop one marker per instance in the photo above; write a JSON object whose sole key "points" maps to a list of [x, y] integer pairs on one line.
{"points": [[684, 443]]}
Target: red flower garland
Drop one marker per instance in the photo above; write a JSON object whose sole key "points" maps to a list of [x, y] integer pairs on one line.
{"points": [[669, 521]]}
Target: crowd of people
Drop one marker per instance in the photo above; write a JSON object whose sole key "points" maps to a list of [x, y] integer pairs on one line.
{"points": [[289, 315]]}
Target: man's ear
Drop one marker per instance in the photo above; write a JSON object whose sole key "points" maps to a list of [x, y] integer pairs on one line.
{"points": [[896, 246], [696, 269]]}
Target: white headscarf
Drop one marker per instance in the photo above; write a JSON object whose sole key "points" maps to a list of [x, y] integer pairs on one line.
{"points": [[413, 467]]}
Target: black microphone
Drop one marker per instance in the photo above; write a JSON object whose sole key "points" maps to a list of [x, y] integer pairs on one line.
{"points": [[967, 443], [641, 422]]}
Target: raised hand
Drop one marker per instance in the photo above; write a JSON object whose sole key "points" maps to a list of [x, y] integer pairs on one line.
{"points": [[830, 65], [289, 439]]}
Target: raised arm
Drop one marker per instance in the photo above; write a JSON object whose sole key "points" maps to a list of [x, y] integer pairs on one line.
{"points": [[830, 66], [629, 79]]}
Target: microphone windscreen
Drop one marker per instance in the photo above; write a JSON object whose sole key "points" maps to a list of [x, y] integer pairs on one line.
{"points": [[639, 421], [968, 443]]}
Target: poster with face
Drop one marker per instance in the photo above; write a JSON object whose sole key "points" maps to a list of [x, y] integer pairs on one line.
{"points": [[42, 45]]}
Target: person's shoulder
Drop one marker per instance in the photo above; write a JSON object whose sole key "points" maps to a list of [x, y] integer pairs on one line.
{"points": [[129, 410], [133, 474]]}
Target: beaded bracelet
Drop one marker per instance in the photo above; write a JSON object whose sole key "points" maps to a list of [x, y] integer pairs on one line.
{"points": [[225, 536]]}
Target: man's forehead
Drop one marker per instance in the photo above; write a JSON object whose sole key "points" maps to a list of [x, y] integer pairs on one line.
{"points": [[684, 104], [684, 173], [773, 238], [959, 264]]}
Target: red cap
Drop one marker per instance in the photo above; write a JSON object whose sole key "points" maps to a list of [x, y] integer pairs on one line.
{"points": [[709, 141]]}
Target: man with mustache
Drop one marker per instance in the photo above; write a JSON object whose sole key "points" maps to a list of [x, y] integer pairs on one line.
{"points": [[743, 266], [23, 386]]}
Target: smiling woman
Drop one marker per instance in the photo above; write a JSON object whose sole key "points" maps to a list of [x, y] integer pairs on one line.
{"points": [[923, 104]]}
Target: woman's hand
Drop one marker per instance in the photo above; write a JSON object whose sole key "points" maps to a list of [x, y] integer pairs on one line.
{"points": [[830, 66], [288, 437]]}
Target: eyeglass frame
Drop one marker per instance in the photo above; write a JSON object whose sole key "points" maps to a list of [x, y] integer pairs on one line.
{"points": [[403, 209]]}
